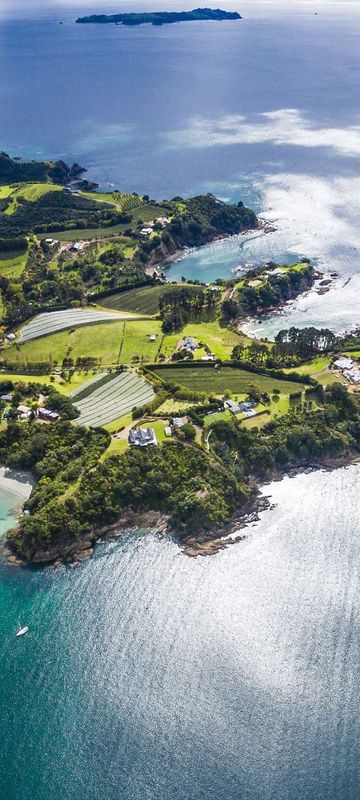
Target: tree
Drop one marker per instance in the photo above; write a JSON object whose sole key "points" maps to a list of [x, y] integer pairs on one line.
{"points": [[188, 432]]}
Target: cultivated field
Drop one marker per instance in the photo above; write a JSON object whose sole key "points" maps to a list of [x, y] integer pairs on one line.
{"points": [[112, 398], [12, 264], [28, 191], [141, 212], [144, 300], [53, 321], [209, 379]]}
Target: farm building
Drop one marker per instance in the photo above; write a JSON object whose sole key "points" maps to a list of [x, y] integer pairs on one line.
{"points": [[343, 363], [353, 374], [178, 422], [247, 407], [142, 437], [46, 414], [24, 411], [76, 247], [232, 406]]}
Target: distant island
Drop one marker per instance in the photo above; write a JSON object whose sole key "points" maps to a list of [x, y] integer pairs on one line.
{"points": [[161, 17]]}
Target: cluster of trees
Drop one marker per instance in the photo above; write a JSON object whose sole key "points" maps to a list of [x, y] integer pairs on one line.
{"points": [[30, 392], [182, 304], [304, 342], [200, 219], [57, 455], [293, 439], [48, 283], [58, 210], [13, 245], [260, 292], [291, 347], [41, 285], [196, 492]]}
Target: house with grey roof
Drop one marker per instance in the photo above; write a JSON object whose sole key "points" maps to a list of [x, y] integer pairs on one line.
{"points": [[142, 437]]}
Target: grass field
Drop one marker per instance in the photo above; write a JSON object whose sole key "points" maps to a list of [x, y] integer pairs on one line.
{"points": [[312, 367], [78, 380], [217, 416], [28, 191], [113, 398], [144, 300], [209, 379], [54, 321], [172, 407], [220, 340], [116, 342]]}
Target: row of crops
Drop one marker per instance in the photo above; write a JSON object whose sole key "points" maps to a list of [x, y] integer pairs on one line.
{"points": [[113, 398], [144, 300], [55, 321]]}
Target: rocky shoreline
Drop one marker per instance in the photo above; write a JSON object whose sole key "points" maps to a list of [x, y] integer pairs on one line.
{"points": [[206, 543]]}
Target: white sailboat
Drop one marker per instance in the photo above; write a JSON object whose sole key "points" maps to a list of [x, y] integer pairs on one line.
{"points": [[21, 631]]}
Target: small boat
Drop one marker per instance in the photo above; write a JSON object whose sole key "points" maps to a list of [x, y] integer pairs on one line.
{"points": [[21, 631]]}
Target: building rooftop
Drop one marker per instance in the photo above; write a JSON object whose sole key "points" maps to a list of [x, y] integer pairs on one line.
{"points": [[142, 437], [178, 422]]}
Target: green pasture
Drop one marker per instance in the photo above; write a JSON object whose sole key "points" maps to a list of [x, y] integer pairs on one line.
{"points": [[216, 381]]}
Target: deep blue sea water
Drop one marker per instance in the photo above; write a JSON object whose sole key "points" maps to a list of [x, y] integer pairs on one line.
{"points": [[147, 675]]}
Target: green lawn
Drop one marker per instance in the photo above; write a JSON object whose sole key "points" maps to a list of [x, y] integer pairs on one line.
{"points": [[158, 427], [77, 380], [212, 380], [120, 422], [217, 416], [171, 408], [220, 340], [312, 367]]}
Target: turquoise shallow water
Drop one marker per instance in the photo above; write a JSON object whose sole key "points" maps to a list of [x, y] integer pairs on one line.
{"points": [[9, 503], [146, 674]]}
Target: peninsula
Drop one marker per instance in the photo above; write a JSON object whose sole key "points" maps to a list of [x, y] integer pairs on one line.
{"points": [[124, 394], [161, 17]]}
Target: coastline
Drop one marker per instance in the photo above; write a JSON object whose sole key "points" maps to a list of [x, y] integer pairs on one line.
{"points": [[18, 484], [16, 487], [205, 543], [262, 229]]}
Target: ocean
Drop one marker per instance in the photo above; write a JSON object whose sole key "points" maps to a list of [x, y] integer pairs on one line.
{"points": [[147, 675]]}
